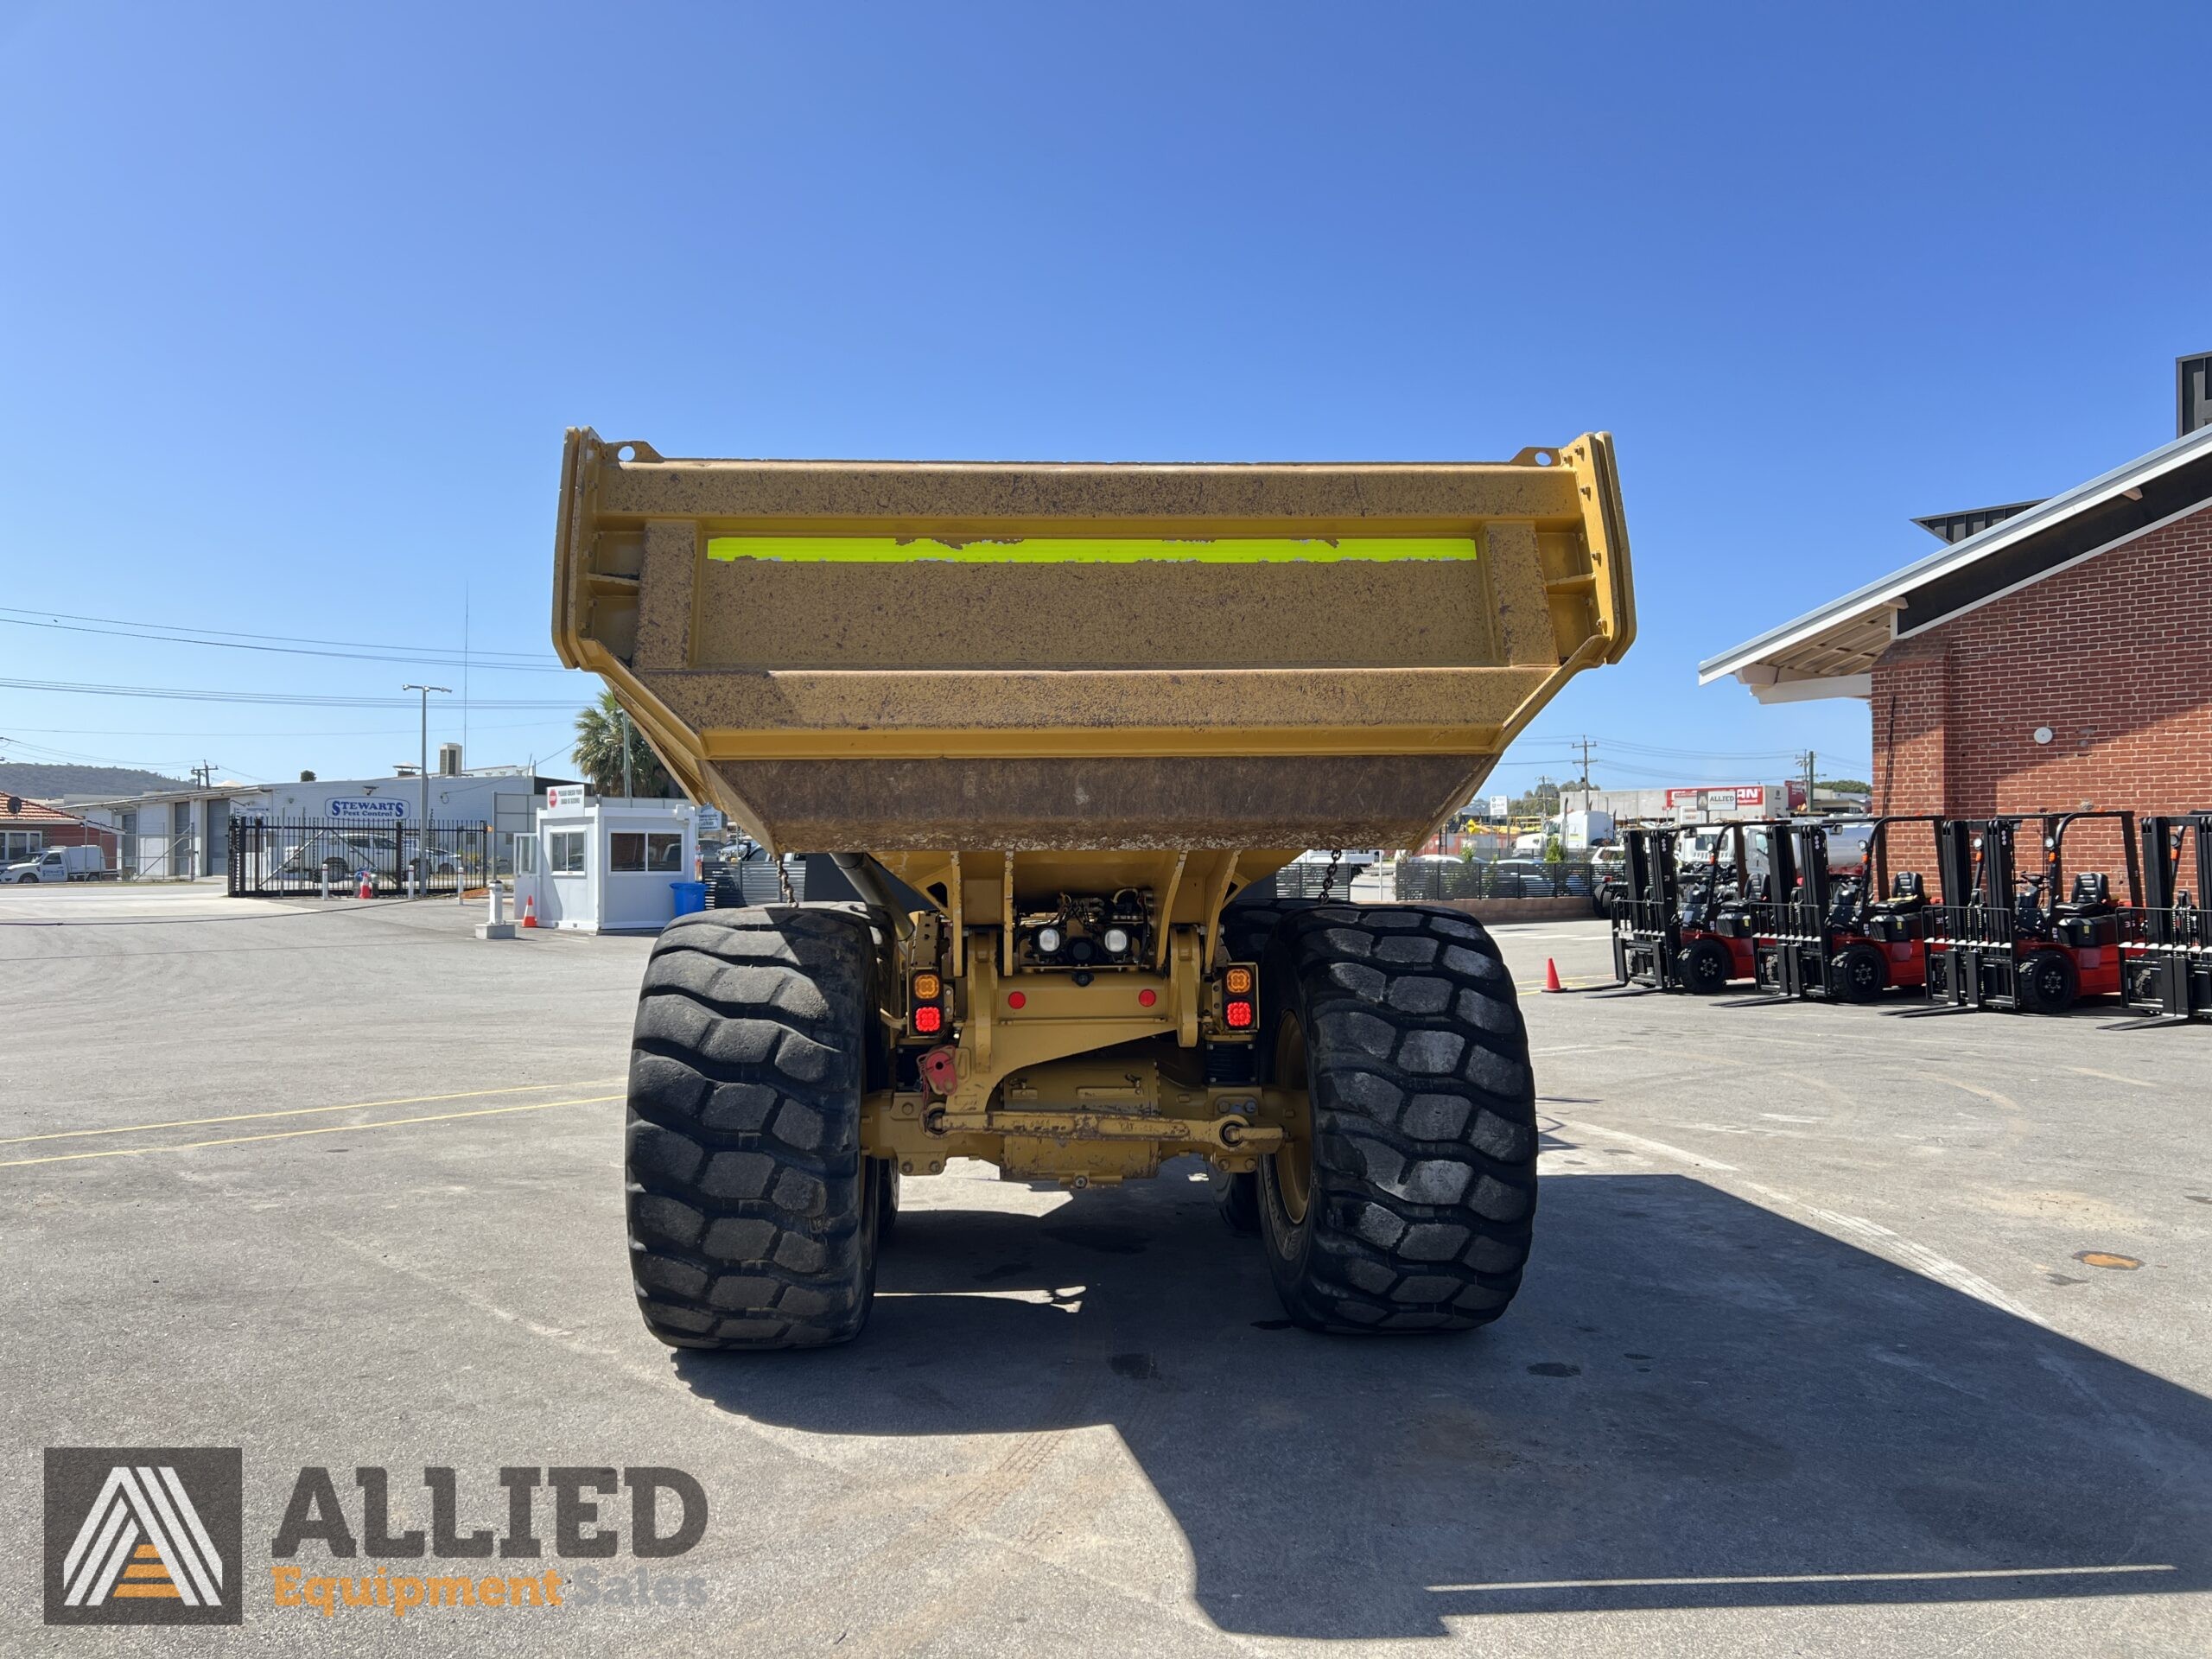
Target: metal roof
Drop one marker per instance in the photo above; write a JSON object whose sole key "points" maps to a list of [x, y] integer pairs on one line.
{"points": [[1828, 649]]}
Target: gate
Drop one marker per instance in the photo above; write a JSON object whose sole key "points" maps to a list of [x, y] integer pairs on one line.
{"points": [[290, 858]]}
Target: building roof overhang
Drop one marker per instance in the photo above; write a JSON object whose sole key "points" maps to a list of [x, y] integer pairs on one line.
{"points": [[1829, 652]]}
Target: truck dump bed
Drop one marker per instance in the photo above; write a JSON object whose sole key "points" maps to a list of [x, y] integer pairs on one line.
{"points": [[939, 657]]}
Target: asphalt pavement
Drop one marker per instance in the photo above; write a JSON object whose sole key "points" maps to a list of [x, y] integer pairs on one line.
{"points": [[1844, 1333]]}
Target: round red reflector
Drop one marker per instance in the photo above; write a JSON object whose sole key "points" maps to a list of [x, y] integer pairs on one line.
{"points": [[1145, 999], [1017, 998], [928, 1018], [1239, 1016]]}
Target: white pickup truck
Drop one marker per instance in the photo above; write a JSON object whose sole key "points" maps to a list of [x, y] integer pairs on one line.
{"points": [[60, 864]]}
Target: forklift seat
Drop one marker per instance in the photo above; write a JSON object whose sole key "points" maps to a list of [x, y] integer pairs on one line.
{"points": [[1844, 906], [2092, 896], [1907, 892]]}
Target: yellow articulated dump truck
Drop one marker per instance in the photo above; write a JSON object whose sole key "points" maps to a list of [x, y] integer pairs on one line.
{"points": [[1058, 725]]}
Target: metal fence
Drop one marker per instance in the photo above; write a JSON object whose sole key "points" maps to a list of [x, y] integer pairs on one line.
{"points": [[273, 858], [1474, 878]]}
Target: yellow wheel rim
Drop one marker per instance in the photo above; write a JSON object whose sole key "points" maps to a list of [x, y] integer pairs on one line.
{"points": [[1293, 1162]]}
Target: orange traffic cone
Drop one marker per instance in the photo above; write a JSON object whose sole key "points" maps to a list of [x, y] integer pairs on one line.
{"points": [[530, 910], [367, 890], [1551, 976]]}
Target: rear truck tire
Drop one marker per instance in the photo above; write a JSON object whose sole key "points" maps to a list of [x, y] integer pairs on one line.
{"points": [[1404, 1202], [1862, 973], [1706, 968], [1237, 1198], [886, 1201], [753, 1217], [2048, 981], [1246, 928]]}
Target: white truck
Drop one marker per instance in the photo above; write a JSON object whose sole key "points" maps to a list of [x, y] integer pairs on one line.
{"points": [[60, 864], [1576, 832]]}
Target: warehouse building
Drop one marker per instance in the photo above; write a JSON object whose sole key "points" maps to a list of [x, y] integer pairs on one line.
{"points": [[2053, 655], [184, 834], [176, 834]]}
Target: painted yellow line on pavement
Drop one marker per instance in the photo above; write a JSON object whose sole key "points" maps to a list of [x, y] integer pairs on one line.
{"points": [[293, 1135], [305, 1111], [1942, 1576]]}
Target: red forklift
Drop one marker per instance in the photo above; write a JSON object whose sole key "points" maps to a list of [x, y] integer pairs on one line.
{"points": [[1825, 936], [2021, 940], [2165, 971], [1676, 930]]}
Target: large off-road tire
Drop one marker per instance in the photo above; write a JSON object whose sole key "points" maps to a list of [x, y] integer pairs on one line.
{"points": [[1247, 925], [752, 1214], [1236, 1201], [1404, 1202]]}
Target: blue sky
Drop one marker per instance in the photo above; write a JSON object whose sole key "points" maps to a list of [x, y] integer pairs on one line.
{"points": [[298, 300]]}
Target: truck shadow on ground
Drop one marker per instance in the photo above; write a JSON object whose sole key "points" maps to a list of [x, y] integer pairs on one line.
{"points": [[1695, 1402]]}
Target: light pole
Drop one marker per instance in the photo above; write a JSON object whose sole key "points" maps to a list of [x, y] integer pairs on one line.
{"points": [[423, 773]]}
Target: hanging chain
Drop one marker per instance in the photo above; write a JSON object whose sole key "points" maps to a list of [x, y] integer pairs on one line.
{"points": [[1329, 875]]}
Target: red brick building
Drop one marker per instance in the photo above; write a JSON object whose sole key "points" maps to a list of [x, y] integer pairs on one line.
{"points": [[2057, 656]]}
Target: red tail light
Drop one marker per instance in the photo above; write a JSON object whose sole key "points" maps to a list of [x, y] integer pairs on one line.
{"points": [[1239, 1013], [928, 1018]]}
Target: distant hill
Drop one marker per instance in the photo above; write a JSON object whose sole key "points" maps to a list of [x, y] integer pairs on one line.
{"points": [[46, 783]]}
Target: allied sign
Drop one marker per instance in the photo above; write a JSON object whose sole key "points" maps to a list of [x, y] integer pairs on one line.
{"points": [[355, 806], [1714, 799]]}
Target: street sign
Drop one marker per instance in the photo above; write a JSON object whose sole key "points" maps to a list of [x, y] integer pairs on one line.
{"points": [[1501, 807]]}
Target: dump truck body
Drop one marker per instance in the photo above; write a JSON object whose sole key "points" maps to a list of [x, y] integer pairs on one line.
{"points": [[1077, 710]]}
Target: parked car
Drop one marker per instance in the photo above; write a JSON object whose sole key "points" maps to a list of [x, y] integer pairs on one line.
{"points": [[1529, 877], [60, 864], [343, 856], [1433, 876]]}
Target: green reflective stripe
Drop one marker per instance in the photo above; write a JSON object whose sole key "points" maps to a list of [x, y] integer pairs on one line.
{"points": [[1051, 550]]}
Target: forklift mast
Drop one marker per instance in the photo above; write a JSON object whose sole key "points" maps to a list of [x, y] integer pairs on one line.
{"points": [[1791, 929], [2167, 973], [1647, 924]]}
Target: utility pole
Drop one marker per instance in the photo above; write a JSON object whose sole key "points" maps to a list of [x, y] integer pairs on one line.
{"points": [[1807, 759], [626, 790], [1584, 744], [423, 774]]}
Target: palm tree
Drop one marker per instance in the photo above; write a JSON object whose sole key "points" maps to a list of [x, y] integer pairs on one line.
{"points": [[599, 732]]}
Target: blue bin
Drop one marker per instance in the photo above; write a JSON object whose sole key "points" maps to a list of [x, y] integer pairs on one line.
{"points": [[690, 896]]}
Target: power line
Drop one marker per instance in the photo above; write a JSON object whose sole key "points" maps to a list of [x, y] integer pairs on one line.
{"points": [[378, 731], [276, 638], [421, 658], [297, 700]]}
